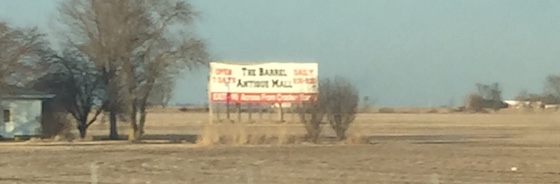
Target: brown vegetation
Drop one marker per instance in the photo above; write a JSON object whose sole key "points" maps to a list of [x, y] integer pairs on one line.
{"points": [[488, 96], [405, 148], [240, 134], [341, 104], [337, 101], [134, 48], [77, 87], [20, 53]]}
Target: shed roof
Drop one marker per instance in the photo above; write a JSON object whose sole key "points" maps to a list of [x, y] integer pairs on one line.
{"points": [[16, 92]]}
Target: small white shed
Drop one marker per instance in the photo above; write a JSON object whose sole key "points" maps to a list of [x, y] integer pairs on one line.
{"points": [[21, 112]]}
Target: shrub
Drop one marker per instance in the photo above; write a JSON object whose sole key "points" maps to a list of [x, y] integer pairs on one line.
{"points": [[337, 101], [311, 116], [475, 103], [487, 96], [183, 109], [387, 110], [55, 121], [432, 111], [342, 104], [239, 134]]}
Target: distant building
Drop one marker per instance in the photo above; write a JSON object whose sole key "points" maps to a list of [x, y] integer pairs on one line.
{"points": [[518, 104], [21, 112]]}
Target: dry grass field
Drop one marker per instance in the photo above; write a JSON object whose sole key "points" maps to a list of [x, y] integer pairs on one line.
{"points": [[404, 148]]}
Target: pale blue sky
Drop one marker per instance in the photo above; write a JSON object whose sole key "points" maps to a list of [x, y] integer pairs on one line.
{"points": [[399, 52]]}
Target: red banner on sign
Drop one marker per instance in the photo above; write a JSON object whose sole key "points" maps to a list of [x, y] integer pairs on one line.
{"points": [[263, 97]]}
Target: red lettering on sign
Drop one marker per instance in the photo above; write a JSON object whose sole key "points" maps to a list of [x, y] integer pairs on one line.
{"points": [[304, 80], [300, 72], [223, 71], [223, 79], [263, 97]]}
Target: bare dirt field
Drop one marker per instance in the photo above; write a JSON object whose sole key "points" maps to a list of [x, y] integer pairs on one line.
{"points": [[405, 148]]}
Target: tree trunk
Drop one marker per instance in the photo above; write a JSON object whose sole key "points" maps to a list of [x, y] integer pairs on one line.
{"points": [[142, 122], [82, 127], [142, 108], [340, 133], [313, 131], [313, 125], [338, 125], [113, 134], [133, 134], [112, 100]]}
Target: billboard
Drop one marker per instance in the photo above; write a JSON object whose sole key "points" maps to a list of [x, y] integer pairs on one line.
{"points": [[263, 82]]}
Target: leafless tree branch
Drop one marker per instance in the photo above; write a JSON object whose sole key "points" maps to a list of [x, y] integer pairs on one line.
{"points": [[133, 43]]}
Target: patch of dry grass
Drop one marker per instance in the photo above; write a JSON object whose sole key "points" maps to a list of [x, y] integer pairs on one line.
{"points": [[208, 136], [174, 122], [356, 135], [241, 134]]}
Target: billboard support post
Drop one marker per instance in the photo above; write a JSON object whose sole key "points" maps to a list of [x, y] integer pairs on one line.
{"points": [[250, 111], [210, 114], [280, 112], [238, 109]]}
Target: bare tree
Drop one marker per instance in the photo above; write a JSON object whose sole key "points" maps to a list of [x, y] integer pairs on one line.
{"points": [[77, 84], [99, 29], [475, 102], [337, 101], [341, 103], [491, 97], [311, 115], [20, 49], [523, 95], [552, 86], [545, 98], [158, 67], [162, 92], [133, 43]]}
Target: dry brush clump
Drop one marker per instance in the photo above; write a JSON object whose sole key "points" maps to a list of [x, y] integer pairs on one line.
{"points": [[311, 115], [56, 123], [242, 134], [337, 101], [356, 137], [488, 96], [342, 104], [387, 110], [474, 102], [207, 136]]}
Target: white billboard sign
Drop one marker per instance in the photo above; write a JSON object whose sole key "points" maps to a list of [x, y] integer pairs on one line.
{"points": [[263, 82]]}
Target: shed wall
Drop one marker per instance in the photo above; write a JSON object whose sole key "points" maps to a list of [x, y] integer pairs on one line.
{"points": [[25, 117]]}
